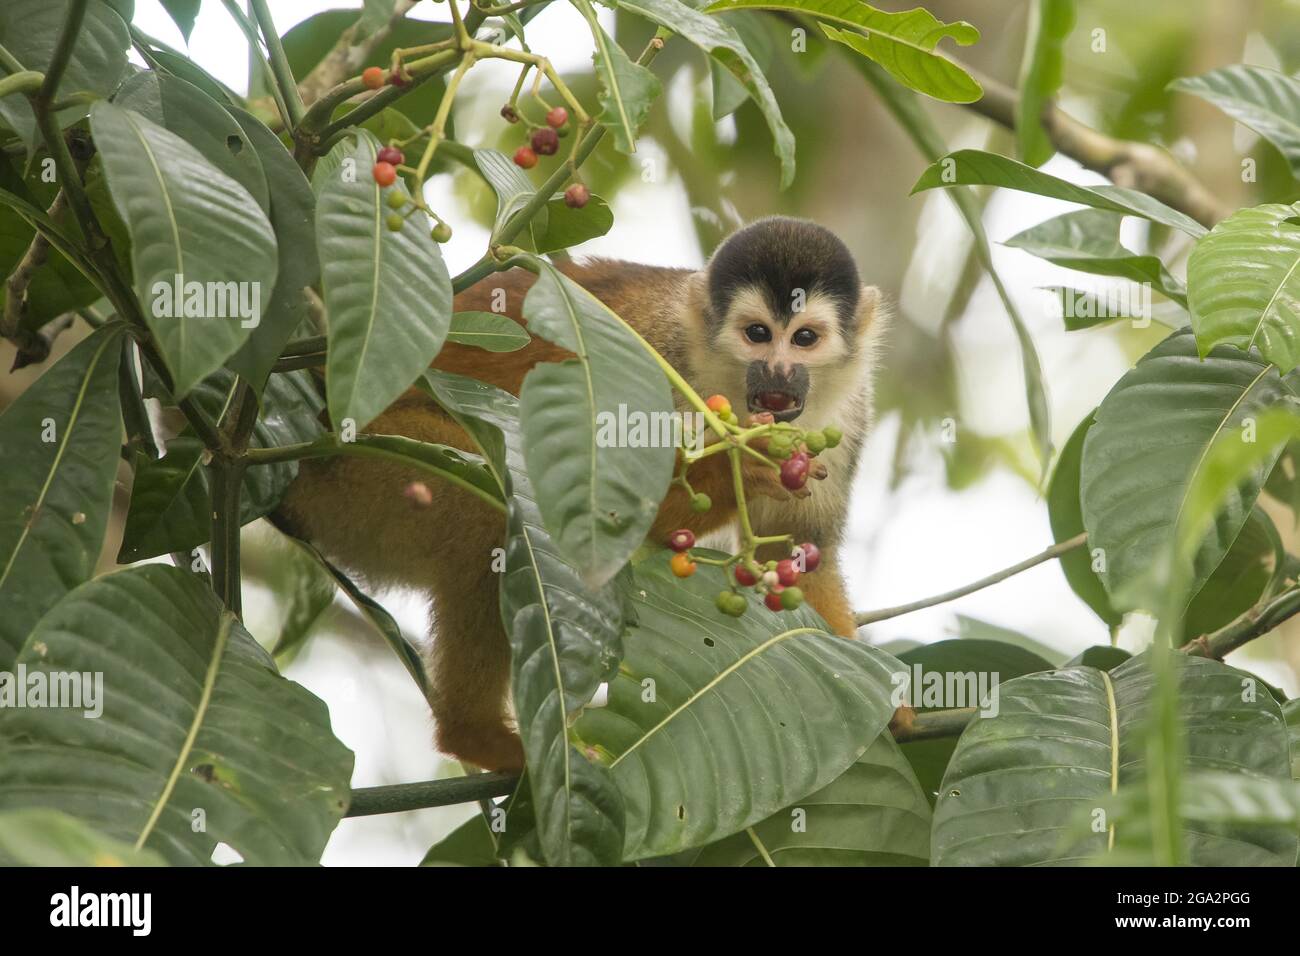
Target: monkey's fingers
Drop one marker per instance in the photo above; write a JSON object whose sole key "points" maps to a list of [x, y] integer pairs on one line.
{"points": [[818, 470]]}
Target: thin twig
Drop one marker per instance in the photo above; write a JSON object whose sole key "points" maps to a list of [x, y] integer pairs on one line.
{"points": [[1055, 551], [279, 65]]}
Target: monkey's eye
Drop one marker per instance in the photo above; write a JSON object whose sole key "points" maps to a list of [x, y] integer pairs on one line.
{"points": [[804, 337], [758, 332]]}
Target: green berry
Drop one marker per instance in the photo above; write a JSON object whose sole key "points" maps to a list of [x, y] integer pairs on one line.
{"points": [[730, 418], [731, 603], [791, 598], [396, 199], [395, 221], [441, 232], [700, 502], [780, 445], [816, 441], [832, 435], [723, 601]]}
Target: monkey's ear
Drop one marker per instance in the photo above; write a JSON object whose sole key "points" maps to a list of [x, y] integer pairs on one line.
{"points": [[697, 300], [873, 316]]}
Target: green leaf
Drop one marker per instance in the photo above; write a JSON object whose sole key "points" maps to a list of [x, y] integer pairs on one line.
{"points": [[488, 331], [907, 110], [196, 728], [1041, 72], [1265, 100], [1291, 713], [59, 441], [1065, 510], [387, 293], [1088, 241], [40, 837], [375, 613], [974, 167], [873, 814], [513, 189], [182, 108], [598, 495], [470, 844], [722, 43], [964, 659], [293, 217], [627, 89], [1102, 656], [1244, 284], [188, 219], [709, 728], [567, 227], [1062, 744], [183, 13], [171, 496], [30, 30], [564, 637], [1151, 439], [1241, 577], [903, 43]]}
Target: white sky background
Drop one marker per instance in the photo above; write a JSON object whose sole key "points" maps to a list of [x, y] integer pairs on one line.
{"points": [[922, 539]]}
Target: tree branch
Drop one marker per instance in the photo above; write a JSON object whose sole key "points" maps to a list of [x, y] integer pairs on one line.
{"points": [[348, 55], [368, 801], [1055, 551], [1254, 623], [1135, 165]]}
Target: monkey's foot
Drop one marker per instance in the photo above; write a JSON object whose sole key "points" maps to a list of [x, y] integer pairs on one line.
{"points": [[489, 746]]}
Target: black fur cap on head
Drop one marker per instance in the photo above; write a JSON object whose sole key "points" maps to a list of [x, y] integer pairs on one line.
{"points": [[778, 255]]}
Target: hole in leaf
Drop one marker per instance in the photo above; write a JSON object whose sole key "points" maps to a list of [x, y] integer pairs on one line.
{"points": [[234, 144], [708, 642], [954, 793], [681, 812]]}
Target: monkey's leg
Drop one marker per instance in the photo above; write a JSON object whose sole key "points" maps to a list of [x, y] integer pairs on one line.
{"points": [[824, 590], [355, 511]]}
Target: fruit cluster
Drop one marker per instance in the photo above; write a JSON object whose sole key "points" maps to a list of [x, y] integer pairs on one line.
{"points": [[545, 141], [776, 581], [385, 172]]}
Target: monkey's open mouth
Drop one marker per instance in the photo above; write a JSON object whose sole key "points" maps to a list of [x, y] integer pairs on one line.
{"points": [[784, 406]]}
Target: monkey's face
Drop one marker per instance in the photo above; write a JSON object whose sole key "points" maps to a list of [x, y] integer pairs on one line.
{"points": [[783, 352]]}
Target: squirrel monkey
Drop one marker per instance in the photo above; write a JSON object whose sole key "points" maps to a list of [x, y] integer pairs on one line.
{"points": [[778, 316]]}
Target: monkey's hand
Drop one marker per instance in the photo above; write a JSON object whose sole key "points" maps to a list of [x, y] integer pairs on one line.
{"points": [[764, 479]]}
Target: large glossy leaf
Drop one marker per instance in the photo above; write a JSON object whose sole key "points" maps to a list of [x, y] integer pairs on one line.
{"points": [[1244, 284], [387, 293], [873, 814], [41, 837], [722, 43], [1041, 72], [200, 741], [293, 217], [182, 108], [565, 638], [1241, 577], [907, 110], [1062, 744], [973, 167], [184, 13], [903, 43], [171, 496], [1291, 713], [59, 443], [965, 659], [30, 30], [1150, 440], [186, 218], [627, 89], [1088, 241], [513, 188], [597, 498], [715, 723], [1065, 510], [567, 227], [1265, 100], [488, 331]]}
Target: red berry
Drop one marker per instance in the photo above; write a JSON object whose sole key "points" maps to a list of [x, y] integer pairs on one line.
{"points": [[794, 471], [681, 539], [372, 77], [787, 573], [773, 599], [385, 174], [557, 117], [525, 158], [719, 405], [391, 155], [545, 141], [806, 557], [745, 577], [576, 196]]}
